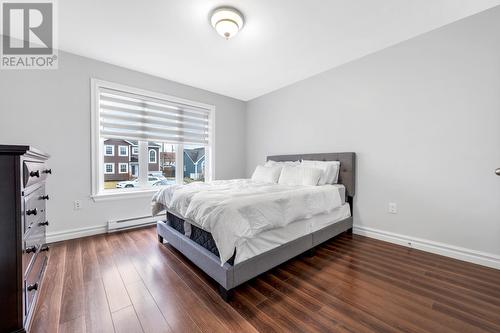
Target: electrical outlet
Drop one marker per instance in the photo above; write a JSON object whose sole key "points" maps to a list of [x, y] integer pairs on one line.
{"points": [[393, 208], [77, 205]]}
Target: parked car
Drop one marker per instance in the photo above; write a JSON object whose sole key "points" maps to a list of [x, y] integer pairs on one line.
{"points": [[157, 174], [135, 182]]}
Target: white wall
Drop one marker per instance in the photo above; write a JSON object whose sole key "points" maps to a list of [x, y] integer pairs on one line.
{"points": [[424, 119], [50, 109]]}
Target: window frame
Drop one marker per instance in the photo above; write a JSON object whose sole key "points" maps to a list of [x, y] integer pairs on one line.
{"points": [[135, 150], [97, 144], [112, 168], [120, 152], [149, 156], [112, 150], [120, 168]]}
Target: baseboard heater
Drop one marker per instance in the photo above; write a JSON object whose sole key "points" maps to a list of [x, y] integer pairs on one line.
{"points": [[135, 222]]}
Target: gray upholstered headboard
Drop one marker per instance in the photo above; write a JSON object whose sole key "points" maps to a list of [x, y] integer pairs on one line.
{"points": [[347, 175]]}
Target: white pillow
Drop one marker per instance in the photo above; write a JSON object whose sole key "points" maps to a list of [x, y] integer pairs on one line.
{"points": [[298, 175], [330, 168], [266, 174], [282, 164], [325, 170]]}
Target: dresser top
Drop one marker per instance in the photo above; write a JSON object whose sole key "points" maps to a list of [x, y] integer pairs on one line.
{"points": [[21, 150]]}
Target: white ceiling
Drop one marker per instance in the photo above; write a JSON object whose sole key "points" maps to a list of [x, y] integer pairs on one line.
{"points": [[283, 41]]}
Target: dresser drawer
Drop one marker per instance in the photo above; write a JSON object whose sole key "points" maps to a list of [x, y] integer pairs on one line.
{"points": [[33, 281], [23, 259], [34, 240], [34, 172], [34, 207]]}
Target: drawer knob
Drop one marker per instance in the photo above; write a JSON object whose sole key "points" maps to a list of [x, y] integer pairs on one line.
{"points": [[33, 286], [35, 173], [44, 197], [33, 211], [31, 249], [46, 223], [48, 171], [45, 248]]}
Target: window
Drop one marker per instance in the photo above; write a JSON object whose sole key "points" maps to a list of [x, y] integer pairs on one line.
{"points": [[109, 168], [152, 156], [123, 167], [123, 151], [163, 133], [109, 150]]}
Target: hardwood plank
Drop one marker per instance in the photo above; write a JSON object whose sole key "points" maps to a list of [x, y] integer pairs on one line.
{"points": [[406, 301], [166, 298], [405, 283], [46, 318], [185, 298], [351, 284], [481, 286], [126, 321], [374, 303], [97, 314], [251, 295], [228, 316], [72, 300], [462, 287], [90, 264], [147, 310], [298, 307], [439, 261], [423, 288], [247, 308], [448, 294], [335, 308], [76, 325], [123, 263], [115, 289]]}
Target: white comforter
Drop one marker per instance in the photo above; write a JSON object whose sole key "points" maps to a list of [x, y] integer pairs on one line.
{"points": [[233, 210]]}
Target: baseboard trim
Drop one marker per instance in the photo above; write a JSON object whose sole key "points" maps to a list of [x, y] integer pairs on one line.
{"points": [[59, 236], [460, 253]]}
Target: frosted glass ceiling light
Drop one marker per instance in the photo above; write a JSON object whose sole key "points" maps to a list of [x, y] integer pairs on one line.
{"points": [[227, 21]]}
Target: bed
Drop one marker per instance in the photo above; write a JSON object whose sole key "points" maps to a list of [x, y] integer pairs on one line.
{"points": [[250, 256]]}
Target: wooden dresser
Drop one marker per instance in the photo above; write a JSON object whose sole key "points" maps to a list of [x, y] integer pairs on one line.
{"points": [[23, 252]]}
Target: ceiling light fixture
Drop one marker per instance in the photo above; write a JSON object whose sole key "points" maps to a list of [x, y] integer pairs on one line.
{"points": [[227, 21]]}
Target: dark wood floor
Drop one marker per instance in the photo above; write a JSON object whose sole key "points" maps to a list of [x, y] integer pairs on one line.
{"points": [[128, 282]]}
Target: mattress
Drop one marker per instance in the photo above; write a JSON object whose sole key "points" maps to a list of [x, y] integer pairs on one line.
{"points": [[265, 241], [198, 235]]}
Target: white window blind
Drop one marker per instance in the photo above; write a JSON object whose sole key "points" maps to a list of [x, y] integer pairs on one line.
{"points": [[135, 117]]}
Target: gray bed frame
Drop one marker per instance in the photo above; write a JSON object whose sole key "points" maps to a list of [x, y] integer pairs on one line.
{"points": [[229, 276]]}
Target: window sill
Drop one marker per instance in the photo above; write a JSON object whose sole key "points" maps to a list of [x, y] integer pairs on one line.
{"points": [[122, 194]]}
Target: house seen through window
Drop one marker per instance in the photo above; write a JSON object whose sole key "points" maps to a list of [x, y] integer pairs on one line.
{"points": [[161, 170]]}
